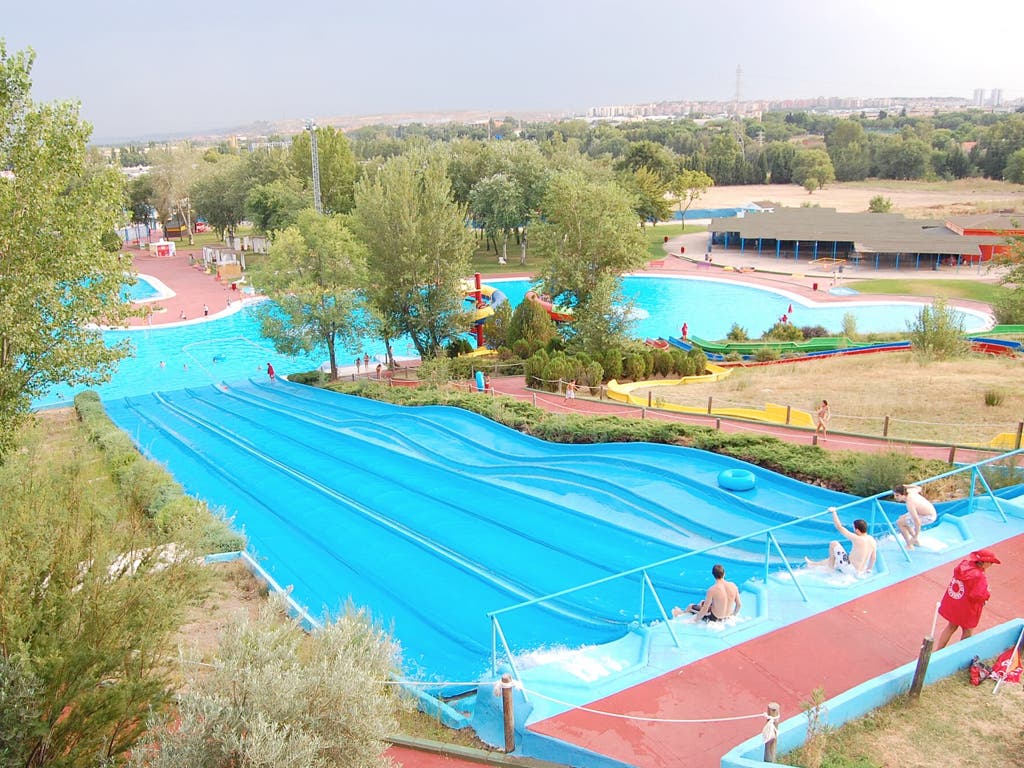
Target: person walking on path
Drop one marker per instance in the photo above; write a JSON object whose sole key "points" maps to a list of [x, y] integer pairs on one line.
{"points": [[824, 416], [965, 596], [270, 371], [570, 390]]}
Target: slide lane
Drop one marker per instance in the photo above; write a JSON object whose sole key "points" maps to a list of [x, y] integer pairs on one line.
{"points": [[663, 491], [328, 553], [485, 513]]}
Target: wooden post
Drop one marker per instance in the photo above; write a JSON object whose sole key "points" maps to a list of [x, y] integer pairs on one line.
{"points": [[1020, 431], [952, 454], [643, 413], [769, 746], [922, 667], [885, 427], [534, 399], [709, 405], [789, 411], [814, 440], [508, 713], [718, 425], [650, 393]]}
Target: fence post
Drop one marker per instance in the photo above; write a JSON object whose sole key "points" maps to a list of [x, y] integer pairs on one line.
{"points": [[789, 410], [952, 454], [1020, 431], [649, 394], [534, 399], [709, 405], [508, 713], [885, 427], [814, 440], [718, 425], [774, 713], [643, 413]]}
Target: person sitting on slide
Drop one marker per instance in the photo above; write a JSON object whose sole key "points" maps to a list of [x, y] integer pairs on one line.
{"points": [[721, 601], [861, 560]]}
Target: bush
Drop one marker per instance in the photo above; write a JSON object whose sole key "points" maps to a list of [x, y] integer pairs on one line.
{"points": [[994, 397], [458, 346], [879, 204], [849, 325], [784, 332], [737, 333], [662, 362], [766, 354], [877, 472], [1009, 306], [938, 332], [814, 331]]}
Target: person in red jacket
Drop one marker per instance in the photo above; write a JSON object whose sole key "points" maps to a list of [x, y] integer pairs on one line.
{"points": [[965, 596]]}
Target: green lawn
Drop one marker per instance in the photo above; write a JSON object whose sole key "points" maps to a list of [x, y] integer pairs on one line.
{"points": [[949, 289]]}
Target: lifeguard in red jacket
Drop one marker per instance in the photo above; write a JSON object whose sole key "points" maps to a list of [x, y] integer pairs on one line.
{"points": [[965, 596]]}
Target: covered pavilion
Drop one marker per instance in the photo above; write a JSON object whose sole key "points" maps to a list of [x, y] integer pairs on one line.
{"points": [[882, 240]]}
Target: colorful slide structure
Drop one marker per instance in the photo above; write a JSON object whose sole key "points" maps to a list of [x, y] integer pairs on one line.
{"points": [[485, 299]]}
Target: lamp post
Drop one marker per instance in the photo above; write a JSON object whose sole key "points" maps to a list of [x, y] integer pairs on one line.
{"points": [[317, 204]]}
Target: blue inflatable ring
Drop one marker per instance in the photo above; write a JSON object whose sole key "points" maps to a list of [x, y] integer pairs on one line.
{"points": [[736, 479]]}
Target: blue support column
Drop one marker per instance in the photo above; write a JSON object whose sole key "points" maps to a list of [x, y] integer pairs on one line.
{"points": [[897, 262], [876, 259], [743, 243], [796, 250], [778, 249], [760, 242], [917, 263], [835, 248], [727, 241], [815, 249]]}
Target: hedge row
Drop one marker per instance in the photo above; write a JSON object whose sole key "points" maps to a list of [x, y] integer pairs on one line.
{"points": [[150, 489]]}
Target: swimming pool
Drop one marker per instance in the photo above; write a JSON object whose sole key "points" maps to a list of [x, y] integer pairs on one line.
{"points": [[710, 307]]}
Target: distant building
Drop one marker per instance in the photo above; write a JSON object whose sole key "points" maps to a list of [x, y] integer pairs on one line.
{"points": [[996, 99], [979, 97]]}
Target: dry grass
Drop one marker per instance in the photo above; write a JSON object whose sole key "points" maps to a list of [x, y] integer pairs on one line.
{"points": [[940, 401], [954, 723]]}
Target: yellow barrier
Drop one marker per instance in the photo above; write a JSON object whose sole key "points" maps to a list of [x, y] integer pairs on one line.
{"points": [[772, 413]]}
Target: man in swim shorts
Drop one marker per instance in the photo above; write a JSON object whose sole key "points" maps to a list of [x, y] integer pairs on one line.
{"points": [[721, 601], [920, 512], [861, 560]]}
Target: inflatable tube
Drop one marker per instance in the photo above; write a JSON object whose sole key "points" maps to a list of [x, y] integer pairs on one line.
{"points": [[479, 377], [736, 479]]}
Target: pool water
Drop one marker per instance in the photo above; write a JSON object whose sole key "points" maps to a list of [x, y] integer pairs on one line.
{"points": [[141, 290], [232, 348]]}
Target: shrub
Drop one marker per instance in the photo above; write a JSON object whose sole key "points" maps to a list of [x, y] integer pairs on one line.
{"points": [[874, 473], [784, 332], [737, 333], [662, 362], [814, 331], [994, 397], [849, 326], [937, 333], [458, 346], [879, 204], [765, 354], [1009, 306]]}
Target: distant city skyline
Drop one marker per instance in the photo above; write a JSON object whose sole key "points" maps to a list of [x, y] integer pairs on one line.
{"points": [[141, 71]]}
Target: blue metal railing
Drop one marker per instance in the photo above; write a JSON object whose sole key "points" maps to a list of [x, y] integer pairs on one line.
{"points": [[770, 541]]}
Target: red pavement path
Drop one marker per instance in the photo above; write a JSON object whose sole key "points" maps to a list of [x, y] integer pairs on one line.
{"points": [[836, 650]]}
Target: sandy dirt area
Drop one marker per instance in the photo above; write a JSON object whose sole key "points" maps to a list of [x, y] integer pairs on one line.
{"points": [[915, 199]]}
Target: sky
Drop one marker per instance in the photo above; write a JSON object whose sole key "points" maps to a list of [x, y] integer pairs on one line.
{"points": [[156, 69]]}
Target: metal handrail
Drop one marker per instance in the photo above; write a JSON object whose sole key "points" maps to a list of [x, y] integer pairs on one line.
{"points": [[770, 540]]}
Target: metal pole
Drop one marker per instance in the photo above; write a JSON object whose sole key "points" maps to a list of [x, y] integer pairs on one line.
{"points": [[508, 713], [317, 204]]}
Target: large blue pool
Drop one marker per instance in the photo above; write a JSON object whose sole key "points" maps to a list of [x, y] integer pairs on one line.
{"points": [[229, 348]]}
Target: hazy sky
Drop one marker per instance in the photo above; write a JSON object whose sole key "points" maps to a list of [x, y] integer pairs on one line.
{"points": [[142, 68]]}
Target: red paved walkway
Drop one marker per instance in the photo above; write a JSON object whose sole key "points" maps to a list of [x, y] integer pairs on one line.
{"points": [[835, 650]]}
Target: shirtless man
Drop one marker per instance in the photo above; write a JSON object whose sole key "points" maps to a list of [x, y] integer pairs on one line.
{"points": [[721, 601], [920, 512], [863, 546]]}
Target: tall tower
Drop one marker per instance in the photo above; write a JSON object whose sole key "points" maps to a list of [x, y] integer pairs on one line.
{"points": [[979, 97], [315, 156], [736, 97]]}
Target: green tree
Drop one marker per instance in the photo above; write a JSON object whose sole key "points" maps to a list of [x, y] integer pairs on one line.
{"points": [[220, 195], [313, 272], [531, 324], [497, 203], [276, 696], [337, 167], [276, 204], [648, 191], [590, 237], [141, 199], [813, 164], [56, 278], [689, 186], [419, 249], [650, 155], [1014, 170], [848, 148], [173, 173]]}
